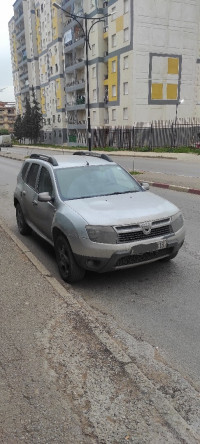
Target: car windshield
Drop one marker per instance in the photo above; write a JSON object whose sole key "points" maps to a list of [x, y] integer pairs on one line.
{"points": [[90, 181]]}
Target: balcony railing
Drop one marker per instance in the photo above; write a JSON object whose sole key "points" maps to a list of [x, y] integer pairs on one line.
{"points": [[75, 82]]}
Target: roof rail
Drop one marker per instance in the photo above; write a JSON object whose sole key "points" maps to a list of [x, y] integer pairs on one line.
{"points": [[49, 159], [88, 153]]}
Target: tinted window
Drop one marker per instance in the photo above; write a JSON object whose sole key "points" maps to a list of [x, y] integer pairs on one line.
{"points": [[45, 184], [32, 175], [24, 169]]}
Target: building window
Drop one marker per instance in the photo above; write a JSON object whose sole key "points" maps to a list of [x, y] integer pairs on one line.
{"points": [[59, 119], [92, 23], [114, 40], [114, 66], [125, 88], [94, 95], [94, 116], [126, 34], [125, 113], [93, 49], [114, 90], [126, 6], [54, 119], [126, 62], [113, 13], [94, 72], [56, 67], [114, 114]]}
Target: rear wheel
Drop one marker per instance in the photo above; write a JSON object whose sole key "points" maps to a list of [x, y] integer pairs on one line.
{"points": [[68, 268], [21, 223]]}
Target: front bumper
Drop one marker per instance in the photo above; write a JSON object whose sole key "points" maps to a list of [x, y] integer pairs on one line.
{"points": [[134, 255]]}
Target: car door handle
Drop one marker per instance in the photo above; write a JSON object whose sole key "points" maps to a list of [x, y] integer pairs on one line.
{"points": [[35, 202]]}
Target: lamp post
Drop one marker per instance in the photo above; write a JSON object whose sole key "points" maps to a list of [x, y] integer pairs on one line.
{"points": [[179, 102], [86, 34]]}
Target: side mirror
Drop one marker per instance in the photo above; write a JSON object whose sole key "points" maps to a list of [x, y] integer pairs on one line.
{"points": [[145, 186], [44, 197]]}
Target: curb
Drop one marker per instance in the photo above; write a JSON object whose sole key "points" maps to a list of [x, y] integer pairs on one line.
{"points": [[153, 184], [175, 187]]}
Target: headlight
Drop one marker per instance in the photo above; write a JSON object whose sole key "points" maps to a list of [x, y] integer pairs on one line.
{"points": [[102, 235], [177, 222]]}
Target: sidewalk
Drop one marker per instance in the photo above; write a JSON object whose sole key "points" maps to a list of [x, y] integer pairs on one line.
{"points": [[67, 377], [177, 183]]}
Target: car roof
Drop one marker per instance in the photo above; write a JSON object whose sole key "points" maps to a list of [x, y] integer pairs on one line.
{"points": [[79, 159]]}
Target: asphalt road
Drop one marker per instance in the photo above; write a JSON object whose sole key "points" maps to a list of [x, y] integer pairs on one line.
{"points": [[158, 303], [157, 165]]}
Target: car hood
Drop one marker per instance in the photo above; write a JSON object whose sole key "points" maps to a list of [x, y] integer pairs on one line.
{"points": [[122, 208]]}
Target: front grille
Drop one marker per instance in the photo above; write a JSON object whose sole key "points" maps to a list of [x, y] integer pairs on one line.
{"points": [[131, 236], [139, 258]]}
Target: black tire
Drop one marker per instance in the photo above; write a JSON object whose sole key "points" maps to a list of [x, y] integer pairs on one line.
{"points": [[68, 268], [23, 228]]}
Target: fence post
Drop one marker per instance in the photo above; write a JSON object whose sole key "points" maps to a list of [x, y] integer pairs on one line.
{"points": [[150, 139], [172, 135]]}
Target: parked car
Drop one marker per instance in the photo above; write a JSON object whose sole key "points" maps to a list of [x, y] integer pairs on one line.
{"points": [[5, 140], [95, 214]]}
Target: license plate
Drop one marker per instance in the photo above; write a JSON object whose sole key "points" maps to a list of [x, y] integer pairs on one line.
{"points": [[154, 246], [162, 244]]}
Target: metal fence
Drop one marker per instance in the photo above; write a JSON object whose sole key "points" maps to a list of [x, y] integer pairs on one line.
{"points": [[173, 135]]}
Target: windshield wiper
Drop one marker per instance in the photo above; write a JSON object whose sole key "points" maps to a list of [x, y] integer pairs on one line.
{"points": [[123, 192]]}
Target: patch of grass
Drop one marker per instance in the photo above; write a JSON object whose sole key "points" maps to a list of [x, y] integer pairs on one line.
{"points": [[134, 173], [144, 149]]}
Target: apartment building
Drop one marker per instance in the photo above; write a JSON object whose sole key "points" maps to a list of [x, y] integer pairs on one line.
{"points": [[37, 60], [7, 116], [143, 58]]}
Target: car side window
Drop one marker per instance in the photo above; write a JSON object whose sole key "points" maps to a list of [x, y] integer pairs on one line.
{"points": [[45, 183], [32, 175], [24, 170]]}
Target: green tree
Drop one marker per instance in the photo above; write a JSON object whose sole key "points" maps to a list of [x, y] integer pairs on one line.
{"points": [[3, 131], [18, 130], [36, 117], [27, 124]]}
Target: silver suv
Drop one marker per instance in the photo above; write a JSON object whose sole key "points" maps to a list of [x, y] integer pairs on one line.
{"points": [[95, 214]]}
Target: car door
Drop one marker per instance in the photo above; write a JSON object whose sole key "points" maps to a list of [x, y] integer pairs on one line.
{"points": [[45, 210], [29, 194]]}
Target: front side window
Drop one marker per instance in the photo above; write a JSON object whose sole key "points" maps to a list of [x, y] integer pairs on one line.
{"points": [[45, 183], [32, 175]]}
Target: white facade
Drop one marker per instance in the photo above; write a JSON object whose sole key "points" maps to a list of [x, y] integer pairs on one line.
{"points": [[143, 59]]}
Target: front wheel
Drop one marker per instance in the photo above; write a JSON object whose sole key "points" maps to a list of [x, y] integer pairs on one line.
{"points": [[68, 268], [21, 223]]}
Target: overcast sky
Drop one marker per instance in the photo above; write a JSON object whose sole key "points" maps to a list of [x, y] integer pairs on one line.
{"points": [[6, 80]]}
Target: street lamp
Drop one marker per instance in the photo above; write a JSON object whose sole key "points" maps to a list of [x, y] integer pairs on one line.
{"points": [[86, 35], [179, 102]]}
